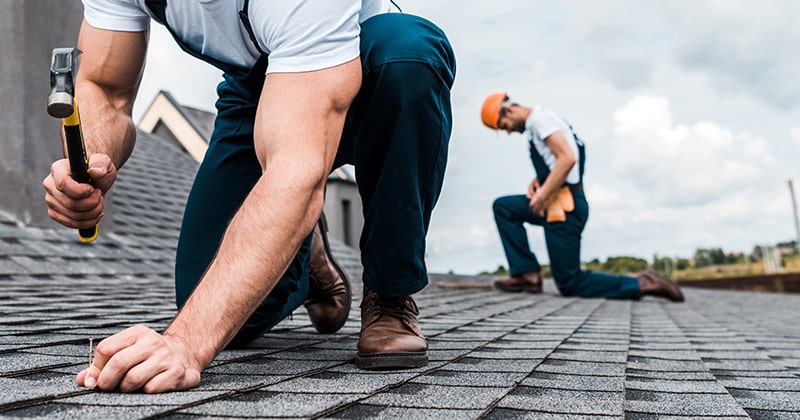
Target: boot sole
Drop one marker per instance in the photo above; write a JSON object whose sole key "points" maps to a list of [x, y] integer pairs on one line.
{"points": [[400, 360], [519, 290], [323, 221]]}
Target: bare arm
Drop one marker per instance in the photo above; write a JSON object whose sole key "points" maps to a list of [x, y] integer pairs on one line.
{"points": [[107, 81], [298, 127], [565, 160], [110, 71], [297, 132]]}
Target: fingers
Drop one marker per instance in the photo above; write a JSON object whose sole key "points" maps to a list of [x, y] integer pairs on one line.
{"points": [[68, 202], [137, 376], [102, 171], [172, 378], [87, 379], [108, 348], [536, 206], [139, 358]]}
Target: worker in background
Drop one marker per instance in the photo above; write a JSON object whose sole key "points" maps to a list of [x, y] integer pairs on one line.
{"points": [[555, 200]]}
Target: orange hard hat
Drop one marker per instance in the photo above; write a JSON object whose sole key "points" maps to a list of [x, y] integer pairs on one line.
{"points": [[490, 113]]}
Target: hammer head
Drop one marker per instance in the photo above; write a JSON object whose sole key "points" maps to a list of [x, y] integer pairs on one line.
{"points": [[63, 68]]}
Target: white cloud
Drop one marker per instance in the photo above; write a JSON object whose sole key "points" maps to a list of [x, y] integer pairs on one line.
{"points": [[678, 164], [455, 240], [603, 198], [744, 46], [470, 249], [796, 136]]}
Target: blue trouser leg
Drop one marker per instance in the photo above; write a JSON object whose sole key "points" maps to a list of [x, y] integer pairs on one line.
{"points": [[228, 172], [563, 247], [510, 214], [396, 135]]}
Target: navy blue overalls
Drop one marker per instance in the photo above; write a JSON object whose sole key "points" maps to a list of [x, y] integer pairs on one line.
{"points": [[396, 135], [563, 240]]}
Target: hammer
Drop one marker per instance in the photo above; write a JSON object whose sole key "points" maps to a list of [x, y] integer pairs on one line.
{"points": [[62, 104]]}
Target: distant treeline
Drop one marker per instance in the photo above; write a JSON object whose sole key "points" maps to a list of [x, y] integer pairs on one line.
{"points": [[703, 257]]}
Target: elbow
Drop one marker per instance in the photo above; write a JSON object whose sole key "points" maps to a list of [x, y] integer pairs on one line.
{"points": [[306, 185], [570, 162]]}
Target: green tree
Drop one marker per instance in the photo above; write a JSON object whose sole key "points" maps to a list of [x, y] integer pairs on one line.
{"points": [[501, 270], [704, 257], [681, 264], [624, 265], [663, 264]]}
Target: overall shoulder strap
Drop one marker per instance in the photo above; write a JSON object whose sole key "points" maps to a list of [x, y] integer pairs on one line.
{"points": [[159, 10], [245, 17], [581, 152], [542, 170], [539, 165]]}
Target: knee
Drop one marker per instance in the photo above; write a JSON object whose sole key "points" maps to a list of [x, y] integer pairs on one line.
{"points": [[402, 38], [497, 206], [501, 208], [567, 281]]}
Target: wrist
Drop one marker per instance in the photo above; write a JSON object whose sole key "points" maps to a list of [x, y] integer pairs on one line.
{"points": [[196, 355]]}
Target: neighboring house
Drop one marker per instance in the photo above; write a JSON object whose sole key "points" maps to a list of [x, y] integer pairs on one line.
{"points": [[190, 129], [186, 127], [146, 206]]}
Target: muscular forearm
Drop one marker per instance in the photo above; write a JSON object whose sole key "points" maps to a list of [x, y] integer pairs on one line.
{"points": [[258, 247], [107, 124], [108, 79], [296, 154]]}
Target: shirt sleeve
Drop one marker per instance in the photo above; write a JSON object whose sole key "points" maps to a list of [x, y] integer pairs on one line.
{"points": [[545, 124], [307, 35], [115, 15]]}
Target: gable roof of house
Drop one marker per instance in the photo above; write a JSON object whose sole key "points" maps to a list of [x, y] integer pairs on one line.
{"points": [[190, 128], [146, 205]]}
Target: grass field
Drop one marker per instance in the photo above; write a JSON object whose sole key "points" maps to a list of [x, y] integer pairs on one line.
{"points": [[791, 265]]}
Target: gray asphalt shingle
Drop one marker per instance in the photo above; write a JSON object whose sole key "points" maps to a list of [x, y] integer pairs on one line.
{"points": [[493, 355]]}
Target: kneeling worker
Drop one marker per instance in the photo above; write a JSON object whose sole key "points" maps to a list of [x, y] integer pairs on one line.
{"points": [[555, 201]]}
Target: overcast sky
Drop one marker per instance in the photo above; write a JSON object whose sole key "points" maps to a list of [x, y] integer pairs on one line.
{"points": [[690, 111]]}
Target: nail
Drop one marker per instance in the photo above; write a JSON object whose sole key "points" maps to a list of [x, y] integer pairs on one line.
{"points": [[90, 382]]}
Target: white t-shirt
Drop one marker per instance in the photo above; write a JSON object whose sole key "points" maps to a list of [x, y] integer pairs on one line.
{"points": [[299, 35], [541, 124]]}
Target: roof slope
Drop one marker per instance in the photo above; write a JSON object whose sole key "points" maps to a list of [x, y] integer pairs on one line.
{"points": [[493, 355]]}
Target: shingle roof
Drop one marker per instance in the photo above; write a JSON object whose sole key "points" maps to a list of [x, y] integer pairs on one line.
{"points": [[493, 355]]}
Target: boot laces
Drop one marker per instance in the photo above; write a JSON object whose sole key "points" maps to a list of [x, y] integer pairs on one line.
{"points": [[398, 307]]}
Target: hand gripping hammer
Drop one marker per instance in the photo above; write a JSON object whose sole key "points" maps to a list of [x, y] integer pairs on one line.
{"points": [[62, 104]]}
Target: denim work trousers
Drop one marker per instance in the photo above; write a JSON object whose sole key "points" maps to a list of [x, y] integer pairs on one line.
{"points": [[396, 135], [563, 240]]}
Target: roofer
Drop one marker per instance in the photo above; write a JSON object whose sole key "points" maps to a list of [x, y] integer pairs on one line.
{"points": [[555, 201], [308, 85]]}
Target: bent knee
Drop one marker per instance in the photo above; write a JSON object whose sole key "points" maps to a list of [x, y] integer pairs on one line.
{"points": [[400, 37], [506, 205]]}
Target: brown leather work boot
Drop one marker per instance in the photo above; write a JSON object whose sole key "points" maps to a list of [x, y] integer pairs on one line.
{"points": [[653, 284], [530, 282], [329, 297], [390, 334]]}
